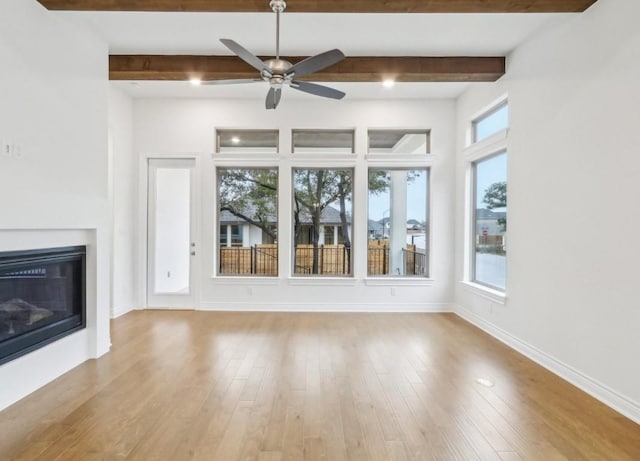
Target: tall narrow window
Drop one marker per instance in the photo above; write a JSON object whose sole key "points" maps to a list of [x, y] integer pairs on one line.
{"points": [[248, 221], [490, 221], [398, 227], [322, 203]]}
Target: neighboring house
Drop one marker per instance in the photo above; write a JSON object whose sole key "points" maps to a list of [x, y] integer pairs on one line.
{"points": [[235, 231], [487, 222]]}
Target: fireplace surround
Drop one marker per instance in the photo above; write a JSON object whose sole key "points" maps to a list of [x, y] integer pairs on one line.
{"points": [[42, 298]]}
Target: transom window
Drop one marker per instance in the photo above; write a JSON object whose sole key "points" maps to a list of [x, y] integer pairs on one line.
{"points": [[491, 122], [399, 141], [258, 141], [323, 141]]}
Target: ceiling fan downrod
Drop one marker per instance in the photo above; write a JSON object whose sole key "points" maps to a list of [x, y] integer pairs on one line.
{"points": [[278, 6]]}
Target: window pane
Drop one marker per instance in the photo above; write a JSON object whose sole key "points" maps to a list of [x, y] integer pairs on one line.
{"points": [[490, 123], [398, 223], [259, 141], [247, 214], [490, 221], [340, 141], [399, 141], [322, 201]]}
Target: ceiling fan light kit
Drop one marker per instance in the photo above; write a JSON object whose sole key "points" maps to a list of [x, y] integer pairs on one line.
{"points": [[279, 73]]}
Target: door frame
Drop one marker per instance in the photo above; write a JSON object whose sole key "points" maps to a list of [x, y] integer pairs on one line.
{"points": [[143, 225]]}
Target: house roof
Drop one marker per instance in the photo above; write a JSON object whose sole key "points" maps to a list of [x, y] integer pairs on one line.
{"points": [[483, 213]]}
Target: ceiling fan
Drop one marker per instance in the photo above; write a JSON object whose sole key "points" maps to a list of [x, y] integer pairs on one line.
{"points": [[279, 72]]}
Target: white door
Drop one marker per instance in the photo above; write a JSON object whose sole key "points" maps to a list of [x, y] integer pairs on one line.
{"points": [[171, 246]]}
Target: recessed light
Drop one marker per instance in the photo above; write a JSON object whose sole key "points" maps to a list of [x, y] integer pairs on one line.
{"points": [[388, 83], [484, 382], [196, 81], [235, 140]]}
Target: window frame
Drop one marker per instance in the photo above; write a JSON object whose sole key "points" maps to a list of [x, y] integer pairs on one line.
{"points": [[351, 131], [248, 150], [474, 219], [425, 131], [488, 147], [485, 114], [218, 166], [292, 244], [388, 277]]}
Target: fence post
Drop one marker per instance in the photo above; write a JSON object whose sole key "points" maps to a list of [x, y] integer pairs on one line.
{"points": [[384, 261], [252, 259]]}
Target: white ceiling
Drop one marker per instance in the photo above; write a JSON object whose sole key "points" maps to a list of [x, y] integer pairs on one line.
{"points": [[305, 34]]}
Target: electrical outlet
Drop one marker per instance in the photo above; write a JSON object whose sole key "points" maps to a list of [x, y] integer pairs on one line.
{"points": [[17, 151], [6, 148]]}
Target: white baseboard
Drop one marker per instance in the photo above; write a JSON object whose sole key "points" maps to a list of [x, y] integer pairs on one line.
{"points": [[325, 307], [118, 311], [603, 393]]}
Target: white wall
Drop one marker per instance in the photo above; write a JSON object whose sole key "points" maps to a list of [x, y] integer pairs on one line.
{"points": [[169, 127], [123, 198], [574, 184], [53, 101]]}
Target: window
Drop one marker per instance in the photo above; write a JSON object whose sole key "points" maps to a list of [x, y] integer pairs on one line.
{"points": [[322, 200], [398, 224], [491, 122], [399, 141], [248, 221], [257, 141], [490, 221], [323, 141]]}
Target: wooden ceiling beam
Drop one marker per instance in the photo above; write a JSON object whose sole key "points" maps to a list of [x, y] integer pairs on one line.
{"points": [[351, 69], [327, 6]]}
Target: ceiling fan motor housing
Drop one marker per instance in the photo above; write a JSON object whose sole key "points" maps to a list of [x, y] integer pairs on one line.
{"points": [[278, 69]]}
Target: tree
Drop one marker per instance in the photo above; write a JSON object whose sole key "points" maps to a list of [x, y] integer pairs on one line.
{"points": [[495, 196], [251, 195]]}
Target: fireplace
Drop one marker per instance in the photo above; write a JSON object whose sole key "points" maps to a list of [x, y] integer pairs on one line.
{"points": [[42, 298]]}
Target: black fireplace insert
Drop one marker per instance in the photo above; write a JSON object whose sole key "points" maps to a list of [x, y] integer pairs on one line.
{"points": [[42, 298]]}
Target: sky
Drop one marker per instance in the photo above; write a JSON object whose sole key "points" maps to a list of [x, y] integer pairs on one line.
{"points": [[380, 204]]}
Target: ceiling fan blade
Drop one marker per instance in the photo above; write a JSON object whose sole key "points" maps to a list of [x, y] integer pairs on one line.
{"points": [[245, 55], [315, 63], [231, 82], [273, 98], [318, 90]]}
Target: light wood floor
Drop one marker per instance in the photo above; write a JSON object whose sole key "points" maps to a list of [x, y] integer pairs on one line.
{"points": [[221, 386]]}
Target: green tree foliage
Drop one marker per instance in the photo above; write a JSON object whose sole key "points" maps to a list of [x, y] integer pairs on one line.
{"points": [[495, 196], [251, 195]]}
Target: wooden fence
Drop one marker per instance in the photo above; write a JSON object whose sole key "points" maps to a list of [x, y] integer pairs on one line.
{"points": [[332, 260]]}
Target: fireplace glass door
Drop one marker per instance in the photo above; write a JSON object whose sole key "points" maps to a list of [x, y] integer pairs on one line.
{"points": [[42, 298]]}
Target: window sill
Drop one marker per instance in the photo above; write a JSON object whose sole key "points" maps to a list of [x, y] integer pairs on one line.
{"points": [[399, 281], [495, 296], [321, 281], [249, 280], [384, 159]]}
